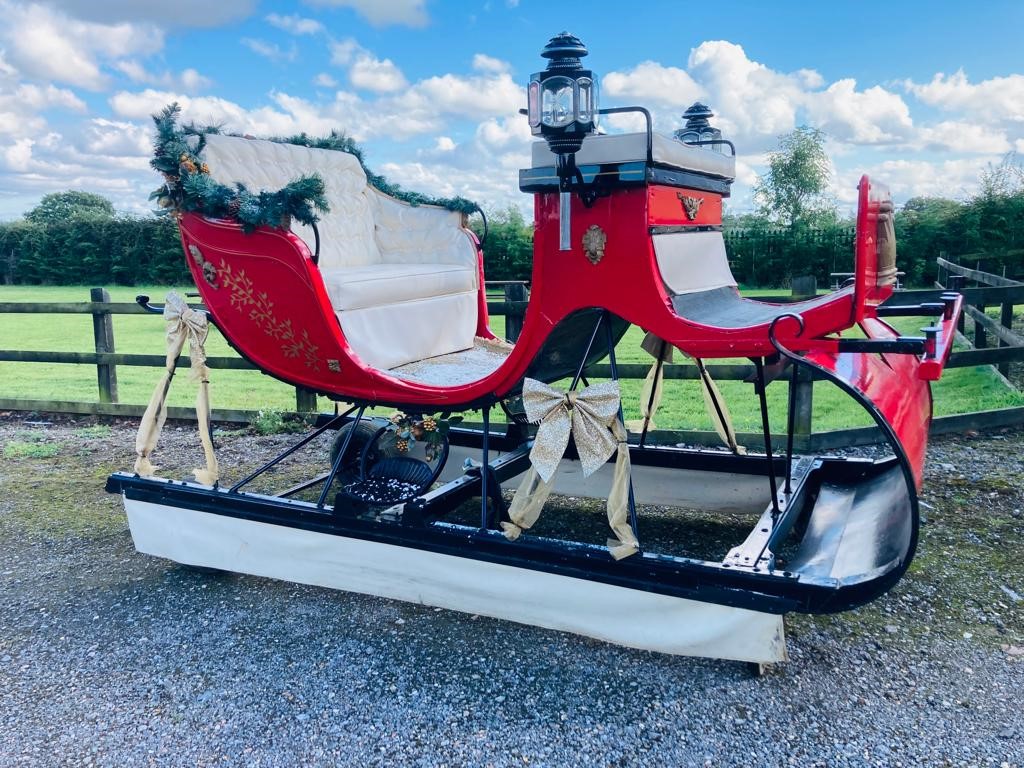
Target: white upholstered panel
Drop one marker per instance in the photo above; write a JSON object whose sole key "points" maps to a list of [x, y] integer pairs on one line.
{"points": [[632, 147], [402, 279], [420, 234], [347, 237], [360, 287], [693, 261], [389, 335]]}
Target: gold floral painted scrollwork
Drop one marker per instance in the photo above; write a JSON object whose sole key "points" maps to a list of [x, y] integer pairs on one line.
{"points": [[261, 312]]}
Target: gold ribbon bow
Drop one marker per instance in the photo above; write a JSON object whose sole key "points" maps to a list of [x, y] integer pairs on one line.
{"points": [[183, 324], [591, 416]]}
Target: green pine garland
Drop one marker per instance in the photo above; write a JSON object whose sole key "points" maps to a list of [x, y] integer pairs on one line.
{"points": [[189, 186]]}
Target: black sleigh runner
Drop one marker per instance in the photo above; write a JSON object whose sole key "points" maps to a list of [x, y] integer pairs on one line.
{"points": [[324, 276]]}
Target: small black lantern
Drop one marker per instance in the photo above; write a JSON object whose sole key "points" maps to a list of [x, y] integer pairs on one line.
{"points": [[562, 99], [698, 130]]}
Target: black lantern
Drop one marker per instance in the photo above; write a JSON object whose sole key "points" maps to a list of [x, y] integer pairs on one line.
{"points": [[698, 130], [563, 98]]}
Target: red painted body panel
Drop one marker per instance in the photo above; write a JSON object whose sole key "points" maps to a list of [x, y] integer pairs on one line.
{"points": [[892, 384], [665, 207], [269, 300]]}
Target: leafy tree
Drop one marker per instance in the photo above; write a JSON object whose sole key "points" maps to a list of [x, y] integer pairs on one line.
{"points": [[792, 192], [63, 206], [508, 251]]}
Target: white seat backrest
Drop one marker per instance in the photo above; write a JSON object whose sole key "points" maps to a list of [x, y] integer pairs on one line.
{"points": [[347, 237], [420, 234], [693, 261]]}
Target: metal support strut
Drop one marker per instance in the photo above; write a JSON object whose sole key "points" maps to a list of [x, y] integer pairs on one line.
{"points": [[340, 458], [761, 385], [289, 451]]}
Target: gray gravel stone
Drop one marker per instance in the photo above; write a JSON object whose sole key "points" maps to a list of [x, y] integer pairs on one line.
{"points": [[110, 658]]}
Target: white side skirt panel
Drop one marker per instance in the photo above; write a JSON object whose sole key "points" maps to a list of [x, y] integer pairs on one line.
{"points": [[614, 614]]}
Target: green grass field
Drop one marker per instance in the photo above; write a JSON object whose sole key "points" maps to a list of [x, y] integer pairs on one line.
{"points": [[960, 390]]}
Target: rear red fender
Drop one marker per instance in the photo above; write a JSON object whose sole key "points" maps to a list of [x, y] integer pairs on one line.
{"points": [[892, 385]]}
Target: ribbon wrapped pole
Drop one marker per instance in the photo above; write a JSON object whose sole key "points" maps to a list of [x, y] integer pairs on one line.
{"points": [[650, 395], [591, 416], [183, 324]]}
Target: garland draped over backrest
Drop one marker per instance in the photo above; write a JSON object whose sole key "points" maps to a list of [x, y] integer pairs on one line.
{"points": [[188, 185]]}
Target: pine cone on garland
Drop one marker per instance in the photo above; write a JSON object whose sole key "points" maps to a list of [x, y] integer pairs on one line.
{"points": [[234, 207]]}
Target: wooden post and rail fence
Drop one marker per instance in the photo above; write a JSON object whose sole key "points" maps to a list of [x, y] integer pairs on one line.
{"points": [[994, 290]]}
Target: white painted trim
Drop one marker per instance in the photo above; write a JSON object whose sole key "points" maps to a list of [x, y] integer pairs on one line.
{"points": [[614, 614]]}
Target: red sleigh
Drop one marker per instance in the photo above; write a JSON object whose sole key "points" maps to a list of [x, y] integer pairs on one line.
{"points": [[384, 304]]}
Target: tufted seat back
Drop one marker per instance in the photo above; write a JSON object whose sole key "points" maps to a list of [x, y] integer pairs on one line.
{"points": [[403, 280], [347, 237]]}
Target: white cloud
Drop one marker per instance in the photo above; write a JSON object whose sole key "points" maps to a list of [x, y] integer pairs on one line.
{"points": [[484, 63], [953, 178], [477, 96], [20, 106], [872, 116], [383, 13], [501, 134], [324, 80], [750, 99], [650, 83], [365, 70], [296, 25], [343, 51], [117, 138], [999, 98], [271, 51], [45, 44], [444, 144], [18, 156], [960, 136], [377, 75], [188, 80]]}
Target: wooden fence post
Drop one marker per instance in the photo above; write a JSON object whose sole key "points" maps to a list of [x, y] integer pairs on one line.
{"points": [[980, 338], [103, 338], [305, 400], [803, 401], [1005, 320], [514, 292], [804, 287]]}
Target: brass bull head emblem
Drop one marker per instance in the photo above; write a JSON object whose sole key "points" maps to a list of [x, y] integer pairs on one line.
{"points": [[690, 204]]}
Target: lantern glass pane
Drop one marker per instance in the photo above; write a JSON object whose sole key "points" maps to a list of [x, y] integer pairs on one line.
{"points": [[586, 100], [533, 103], [557, 102]]}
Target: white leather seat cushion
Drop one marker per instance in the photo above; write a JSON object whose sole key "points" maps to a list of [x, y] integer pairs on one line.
{"points": [[693, 261], [347, 233], [360, 287], [632, 147], [389, 335]]}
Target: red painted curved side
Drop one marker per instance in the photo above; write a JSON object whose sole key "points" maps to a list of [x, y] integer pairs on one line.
{"points": [[269, 300]]}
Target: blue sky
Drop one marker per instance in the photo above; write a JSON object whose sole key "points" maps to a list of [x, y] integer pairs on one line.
{"points": [[921, 95]]}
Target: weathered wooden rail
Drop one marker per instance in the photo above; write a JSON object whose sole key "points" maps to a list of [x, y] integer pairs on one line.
{"points": [[513, 307], [997, 290]]}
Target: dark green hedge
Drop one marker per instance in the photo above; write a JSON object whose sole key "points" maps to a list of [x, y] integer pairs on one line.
{"points": [[986, 231], [93, 250]]}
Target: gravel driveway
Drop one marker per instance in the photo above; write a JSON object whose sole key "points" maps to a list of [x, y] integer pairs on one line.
{"points": [[111, 658]]}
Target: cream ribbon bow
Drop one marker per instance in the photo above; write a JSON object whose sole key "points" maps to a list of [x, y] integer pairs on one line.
{"points": [[591, 416], [183, 324]]}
